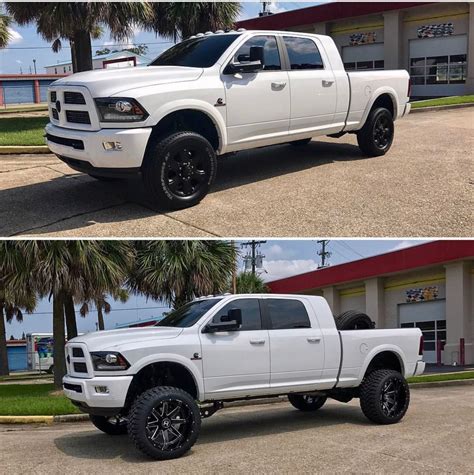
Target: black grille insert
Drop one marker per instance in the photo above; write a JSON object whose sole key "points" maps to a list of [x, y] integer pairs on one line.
{"points": [[74, 98], [55, 113], [53, 96], [77, 144], [80, 368], [73, 387], [78, 117], [77, 353]]}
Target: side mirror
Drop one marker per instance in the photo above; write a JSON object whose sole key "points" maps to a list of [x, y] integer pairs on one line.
{"points": [[256, 54], [230, 322]]}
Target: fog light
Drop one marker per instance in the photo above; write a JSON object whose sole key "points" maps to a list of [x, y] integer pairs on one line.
{"points": [[102, 389], [112, 145]]}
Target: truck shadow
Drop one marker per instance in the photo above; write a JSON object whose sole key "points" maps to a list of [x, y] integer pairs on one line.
{"points": [[226, 426]]}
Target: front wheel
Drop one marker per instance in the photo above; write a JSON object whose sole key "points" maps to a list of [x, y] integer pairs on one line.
{"points": [[178, 170], [384, 396], [305, 402], [376, 137], [115, 425], [164, 422]]}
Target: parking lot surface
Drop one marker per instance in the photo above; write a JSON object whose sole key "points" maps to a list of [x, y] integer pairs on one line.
{"points": [[436, 435], [423, 187]]}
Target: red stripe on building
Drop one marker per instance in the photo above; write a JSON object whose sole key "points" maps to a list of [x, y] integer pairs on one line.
{"points": [[424, 255], [321, 13]]}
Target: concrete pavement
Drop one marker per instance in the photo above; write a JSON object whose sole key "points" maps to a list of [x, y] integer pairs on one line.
{"points": [[435, 436], [423, 187]]}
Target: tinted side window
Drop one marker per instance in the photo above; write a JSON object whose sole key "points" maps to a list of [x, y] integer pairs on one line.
{"points": [[303, 53], [251, 319], [271, 56], [287, 314]]}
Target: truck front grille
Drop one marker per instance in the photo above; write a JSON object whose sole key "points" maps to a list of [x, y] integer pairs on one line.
{"points": [[78, 361], [53, 96], [74, 98], [80, 367], [55, 114], [78, 117]]}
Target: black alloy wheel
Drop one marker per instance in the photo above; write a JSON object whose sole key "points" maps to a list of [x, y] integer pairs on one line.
{"points": [[376, 136], [382, 132]]}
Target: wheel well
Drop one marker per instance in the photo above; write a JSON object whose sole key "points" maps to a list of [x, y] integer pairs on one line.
{"points": [[384, 100], [161, 374], [188, 120], [385, 360]]}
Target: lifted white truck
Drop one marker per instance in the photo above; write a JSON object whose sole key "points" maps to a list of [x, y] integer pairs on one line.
{"points": [[157, 382], [214, 94]]}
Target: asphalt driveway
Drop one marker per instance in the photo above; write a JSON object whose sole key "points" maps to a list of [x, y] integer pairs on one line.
{"points": [[436, 436], [423, 187]]}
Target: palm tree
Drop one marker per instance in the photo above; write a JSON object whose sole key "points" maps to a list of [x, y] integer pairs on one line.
{"points": [[177, 271], [77, 22], [103, 306], [183, 19], [5, 35], [248, 283]]}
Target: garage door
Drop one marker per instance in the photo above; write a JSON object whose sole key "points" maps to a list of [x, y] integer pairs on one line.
{"points": [[363, 57], [438, 66], [430, 318]]}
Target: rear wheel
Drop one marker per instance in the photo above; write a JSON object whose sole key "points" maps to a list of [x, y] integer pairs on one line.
{"points": [[353, 320], [115, 425], [384, 396], [301, 143], [376, 137], [305, 402], [164, 422]]}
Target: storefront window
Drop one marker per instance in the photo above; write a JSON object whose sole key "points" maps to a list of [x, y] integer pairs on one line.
{"points": [[435, 70], [364, 65]]}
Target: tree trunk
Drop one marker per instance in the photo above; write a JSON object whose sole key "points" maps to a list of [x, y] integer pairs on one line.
{"points": [[73, 55], [4, 370], [82, 51], [58, 339], [100, 318], [71, 324]]}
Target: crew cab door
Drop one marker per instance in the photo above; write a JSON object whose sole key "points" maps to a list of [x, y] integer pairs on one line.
{"points": [[258, 103], [237, 362], [296, 343], [313, 85]]}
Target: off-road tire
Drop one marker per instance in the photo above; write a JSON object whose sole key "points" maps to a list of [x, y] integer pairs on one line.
{"points": [[353, 320], [139, 418], [162, 176], [301, 143], [306, 403], [105, 425], [372, 396], [367, 137]]}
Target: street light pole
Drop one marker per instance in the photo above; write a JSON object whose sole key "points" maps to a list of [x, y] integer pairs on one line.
{"points": [[34, 65]]}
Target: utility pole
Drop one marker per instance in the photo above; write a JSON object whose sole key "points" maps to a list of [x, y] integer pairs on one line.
{"points": [[234, 270], [253, 253], [264, 11], [34, 65], [323, 253]]}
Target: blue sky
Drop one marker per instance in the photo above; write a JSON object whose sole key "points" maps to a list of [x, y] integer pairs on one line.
{"points": [[28, 45], [282, 258]]}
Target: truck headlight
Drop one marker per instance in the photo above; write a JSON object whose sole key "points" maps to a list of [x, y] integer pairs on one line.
{"points": [[120, 109], [109, 361]]}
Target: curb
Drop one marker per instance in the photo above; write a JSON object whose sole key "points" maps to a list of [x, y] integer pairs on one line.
{"points": [[440, 108], [20, 149], [440, 384]]}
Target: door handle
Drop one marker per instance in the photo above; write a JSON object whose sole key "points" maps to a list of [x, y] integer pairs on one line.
{"points": [[313, 339], [327, 83], [278, 85], [257, 342]]}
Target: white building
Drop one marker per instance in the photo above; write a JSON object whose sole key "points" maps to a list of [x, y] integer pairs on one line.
{"points": [[119, 59]]}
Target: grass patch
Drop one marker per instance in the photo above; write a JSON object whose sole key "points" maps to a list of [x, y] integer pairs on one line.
{"points": [[443, 101], [22, 130], [28, 108], [33, 400], [429, 378]]}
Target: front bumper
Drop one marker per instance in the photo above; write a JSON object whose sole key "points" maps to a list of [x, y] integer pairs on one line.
{"points": [[87, 148], [83, 393]]}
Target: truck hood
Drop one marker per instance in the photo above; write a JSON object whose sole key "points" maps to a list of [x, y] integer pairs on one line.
{"points": [[109, 82], [110, 339]]}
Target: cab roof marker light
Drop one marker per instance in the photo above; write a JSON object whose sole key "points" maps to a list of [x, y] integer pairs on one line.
{"points": [[219, 32], [208, 33]]}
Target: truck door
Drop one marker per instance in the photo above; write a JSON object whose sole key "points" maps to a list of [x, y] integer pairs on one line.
{"points": [[296, 343], [258, 103], [237, 361], [312, 83]]}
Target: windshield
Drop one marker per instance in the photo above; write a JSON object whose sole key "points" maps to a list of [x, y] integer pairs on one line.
{"points": [[200, 52], [188, 314]]}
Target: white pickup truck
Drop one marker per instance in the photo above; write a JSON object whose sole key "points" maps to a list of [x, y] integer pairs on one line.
{"points": [[213, 94], [157, 382]]}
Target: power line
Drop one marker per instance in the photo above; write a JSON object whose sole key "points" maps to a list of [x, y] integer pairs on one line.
{"points": [[255, 258], [341, 253], [323, 253], [351, 249]]}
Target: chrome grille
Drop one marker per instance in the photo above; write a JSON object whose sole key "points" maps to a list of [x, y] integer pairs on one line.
{"points": [[78, 117], [73, 98]]}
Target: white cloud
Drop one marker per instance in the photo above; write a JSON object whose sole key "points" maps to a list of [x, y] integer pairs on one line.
{"points": [[273, 7], [278, 269], [405, 244], [18, 61], [15, 37]]}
